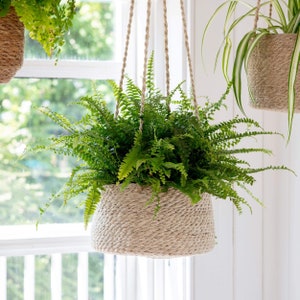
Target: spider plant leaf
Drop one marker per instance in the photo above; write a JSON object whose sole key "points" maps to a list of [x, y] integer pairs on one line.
{"points": [[229, 13], [225, 59], [291, 83], [252, 45], [294, 23], [241, 53], [280, 13], [249, 13], [208, 25], [293, 8]]}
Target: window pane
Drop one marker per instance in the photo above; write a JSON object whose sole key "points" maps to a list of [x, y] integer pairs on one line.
{"points": [[15, 273], [91, 36], [69, 276], [65, 275], [28, 183], [42, 278], [96, 266]]}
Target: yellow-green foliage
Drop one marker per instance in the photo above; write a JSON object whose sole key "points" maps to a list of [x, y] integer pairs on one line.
{"points": [[46, 20]]}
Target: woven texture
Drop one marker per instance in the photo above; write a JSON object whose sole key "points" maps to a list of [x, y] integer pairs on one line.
{"points": [[11, 45], [268, 69], [124, 224]]}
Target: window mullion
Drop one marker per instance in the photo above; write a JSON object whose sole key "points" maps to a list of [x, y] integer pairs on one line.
{"points": [[3, 277], [102, 70], [29, 277]]}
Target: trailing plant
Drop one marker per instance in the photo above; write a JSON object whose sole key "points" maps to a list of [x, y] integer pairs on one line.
{"points": [[174, 148], [285, 20], [46, 20]]}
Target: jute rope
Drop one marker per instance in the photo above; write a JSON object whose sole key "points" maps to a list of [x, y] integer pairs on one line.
{"points": [[147, 36], [129, 25], [270, 10], [166, 40], [188, 52], [258, 6], [146, 45]]}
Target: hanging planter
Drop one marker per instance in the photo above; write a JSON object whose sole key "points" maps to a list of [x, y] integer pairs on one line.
{"points": [[124, 224], [268, 72], [11, 45], [269, 54], [46, 23], [150, 168], [170, 225]]}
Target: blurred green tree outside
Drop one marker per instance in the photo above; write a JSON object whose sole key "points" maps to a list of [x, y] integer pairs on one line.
{"points": [[27, 183]]}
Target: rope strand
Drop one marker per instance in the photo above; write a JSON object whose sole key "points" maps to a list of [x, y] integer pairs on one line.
{"points": [[270, 10], [146, 45], [129, 25], [186, 40], [256, 15], [166, 48]]}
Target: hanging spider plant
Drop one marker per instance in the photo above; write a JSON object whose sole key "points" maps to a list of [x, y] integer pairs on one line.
{"points": [[284, 19]]}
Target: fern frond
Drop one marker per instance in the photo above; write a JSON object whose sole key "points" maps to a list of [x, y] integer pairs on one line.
{"points": [[91, 201], [132, 159], [59, 119]]}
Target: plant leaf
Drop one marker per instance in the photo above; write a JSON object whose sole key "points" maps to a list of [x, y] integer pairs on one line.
{"points": [[241, 53], [280, 12], [131, 160], [291, 83]]}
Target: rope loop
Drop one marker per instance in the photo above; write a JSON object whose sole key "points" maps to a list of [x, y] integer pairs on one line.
{"points": [[256, 17], [129, 25], [166, 49], [146, 45], [188, 51]]}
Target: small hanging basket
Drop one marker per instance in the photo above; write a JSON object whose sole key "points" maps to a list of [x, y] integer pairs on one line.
{"points": [[267, 73], [11, 45], [125, 224]]}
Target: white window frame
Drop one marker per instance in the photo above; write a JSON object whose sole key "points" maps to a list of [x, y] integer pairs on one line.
{"points": [[145, 279]]}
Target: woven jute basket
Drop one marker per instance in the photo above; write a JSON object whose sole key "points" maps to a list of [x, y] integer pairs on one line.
{"points": [[267, 73], [11, 45], [125, 224]]}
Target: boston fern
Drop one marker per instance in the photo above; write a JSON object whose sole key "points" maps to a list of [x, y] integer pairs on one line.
{"points": [[174, 149]]}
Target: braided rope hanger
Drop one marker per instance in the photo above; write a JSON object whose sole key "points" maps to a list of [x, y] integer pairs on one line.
{"points": [[129, 25], [188, 52], [146, 46], [258, 6]]}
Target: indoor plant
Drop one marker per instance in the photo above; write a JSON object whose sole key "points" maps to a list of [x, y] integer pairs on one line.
{"points": [[276, 44], [47, 21], [176, 149]]}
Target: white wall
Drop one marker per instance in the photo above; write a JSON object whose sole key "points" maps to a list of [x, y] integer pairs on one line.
{"points": [[257, 256]]}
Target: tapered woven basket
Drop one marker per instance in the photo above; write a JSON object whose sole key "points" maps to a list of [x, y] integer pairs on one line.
{"points": [[267, 73], [124, 224], [11, 45]]}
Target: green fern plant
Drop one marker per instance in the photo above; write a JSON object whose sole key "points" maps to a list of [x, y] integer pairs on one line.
{"points": [[174, 149], [46, 20]]}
